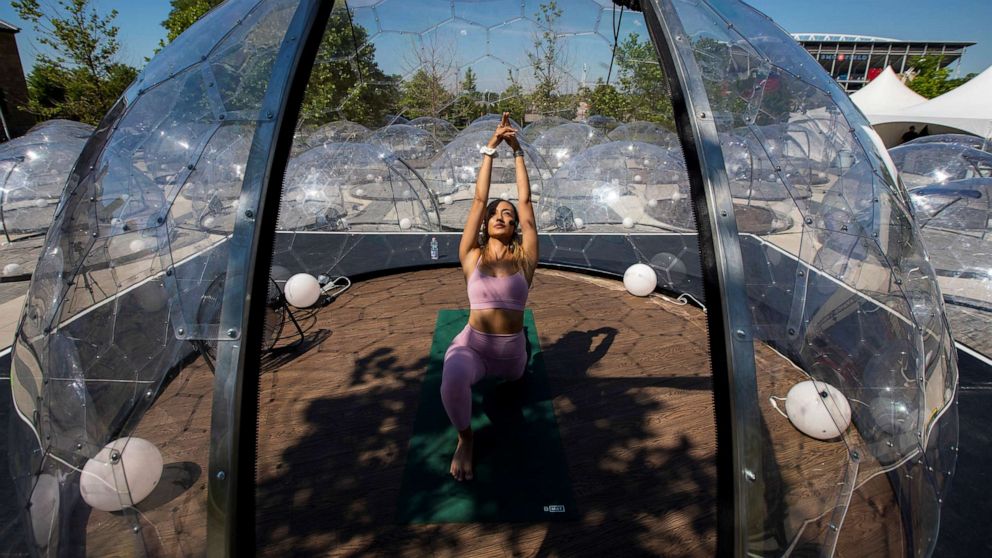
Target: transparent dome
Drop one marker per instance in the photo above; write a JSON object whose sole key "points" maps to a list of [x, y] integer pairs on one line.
{"points": [[958, 139], [619, 186], [486, 123], [645, 132], [921, 164], [560, 144], [144, 335], [415, 146], [452, 174], [33, 171], [338, 131], [534, 130], [443, 130], [605, 124], [354, 186]]}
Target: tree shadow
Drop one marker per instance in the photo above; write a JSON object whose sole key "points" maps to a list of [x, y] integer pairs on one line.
{"points": [[336, 488]]}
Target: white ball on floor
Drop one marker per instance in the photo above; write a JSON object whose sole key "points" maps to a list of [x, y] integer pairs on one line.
{"points": [[578, 222], [505, 196], [359, 192], [818, 409], [137, 245], [652, 202], [638, 178], [448, 200], [405, 223], [123, 474], [12, 269], [449, 181], [628, 223], [676, 196], [302, 290], [40, 202], [640, 279]]}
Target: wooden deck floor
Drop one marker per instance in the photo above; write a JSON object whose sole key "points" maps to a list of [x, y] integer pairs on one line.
{"points": [[634, 405]]}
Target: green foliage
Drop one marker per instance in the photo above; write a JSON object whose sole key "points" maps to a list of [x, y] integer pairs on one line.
{"points": [[468, 105], [424, 94], [346, 84], [183, 14], [80, 77], [642, 81], [547, 61], [606, 100], [931, 80], [513, 99]]}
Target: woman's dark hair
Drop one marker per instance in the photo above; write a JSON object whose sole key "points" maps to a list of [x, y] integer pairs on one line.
{"points": [[516, 245]]}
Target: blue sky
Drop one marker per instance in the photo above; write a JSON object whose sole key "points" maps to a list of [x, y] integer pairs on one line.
{"points": [[965, 20]]}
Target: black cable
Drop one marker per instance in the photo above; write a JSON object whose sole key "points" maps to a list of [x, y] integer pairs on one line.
{"points": [[354, 41], [616, 35]]}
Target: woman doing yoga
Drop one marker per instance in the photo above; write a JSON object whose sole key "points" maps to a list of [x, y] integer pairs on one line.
{"points": [[498, 253]]}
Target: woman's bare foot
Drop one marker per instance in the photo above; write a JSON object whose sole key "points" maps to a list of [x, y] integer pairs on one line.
{"points": [[461, 463]]}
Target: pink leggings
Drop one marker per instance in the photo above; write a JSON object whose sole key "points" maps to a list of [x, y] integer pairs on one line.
{"points": [[472, 356]]}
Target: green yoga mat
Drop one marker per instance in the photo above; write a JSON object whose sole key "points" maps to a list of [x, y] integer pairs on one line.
{"points": [[520, 470]]}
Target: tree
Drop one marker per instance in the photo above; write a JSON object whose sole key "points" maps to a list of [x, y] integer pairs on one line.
{"points": [[606, 100], [929, 79], [513, 99], [183, 14], [547, 62], [346, 81], [642, 80], [425, 93], [80, 78], [467, 106]]}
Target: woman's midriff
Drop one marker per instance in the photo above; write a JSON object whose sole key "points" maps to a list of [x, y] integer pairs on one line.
{"points": [[496, 320]]}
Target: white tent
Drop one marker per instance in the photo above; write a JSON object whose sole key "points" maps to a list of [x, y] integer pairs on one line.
{"points": [[886, 94], [965, 109]]}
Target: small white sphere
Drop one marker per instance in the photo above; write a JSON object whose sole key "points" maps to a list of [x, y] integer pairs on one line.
{"points": [[12, 269], [359, 191], [448, 200], [546, 216], [137, 245], [628, 223], [640, 279], [407, 193], [505, 196], [370, 177], [676, 196], [116, 221], [638, 178], [40, 203], [578, 222], [449, 181], [302, 290], [209, 222], [652, 202], [123, 474], [535, 188], [405, 223], [818, 409]]}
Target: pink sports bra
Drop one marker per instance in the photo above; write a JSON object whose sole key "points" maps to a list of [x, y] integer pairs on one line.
{"points": [[487, 291]]}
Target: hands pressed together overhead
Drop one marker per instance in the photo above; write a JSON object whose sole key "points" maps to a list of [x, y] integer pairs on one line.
{"points": [[505, 132]]}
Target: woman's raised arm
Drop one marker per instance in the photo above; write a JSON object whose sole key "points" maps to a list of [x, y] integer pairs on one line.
{"points": [[474, 218], [528, 226]]}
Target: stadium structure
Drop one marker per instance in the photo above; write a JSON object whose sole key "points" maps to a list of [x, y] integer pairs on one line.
{"points": [[854, 60]]}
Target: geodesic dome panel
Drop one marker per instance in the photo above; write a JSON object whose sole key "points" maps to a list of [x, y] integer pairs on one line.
{"points": [[627, 185], [443, 130], [921, 164], [561, 143], [354, 186], [33, 171], [645, 132], [101, 351], [534, 130], [338, 131], [415, 146], [845, 291], [974, 142]]}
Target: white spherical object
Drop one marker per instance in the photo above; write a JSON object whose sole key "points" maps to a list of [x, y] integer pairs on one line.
{"points": [[640, 279], [208, 222], [676, 196], [546, 216], [505, 196], [123, 474], [359, 191], [302, 290], [12, 269], [405, 223], [44, 508], [448, 200], [40, 203], [535, 188], [818, 409], [578, 222], [370, 177], [137, 245], [652, 202], [449, 181], [628, 223], [116, 221], [638, 178]]}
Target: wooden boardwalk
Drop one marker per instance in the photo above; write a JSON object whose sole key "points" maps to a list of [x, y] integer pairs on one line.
{"points": [[632, 395]]}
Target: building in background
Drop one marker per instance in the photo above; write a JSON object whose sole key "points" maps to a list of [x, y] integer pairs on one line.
{"points": [[13, 89], [854, 60]]}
